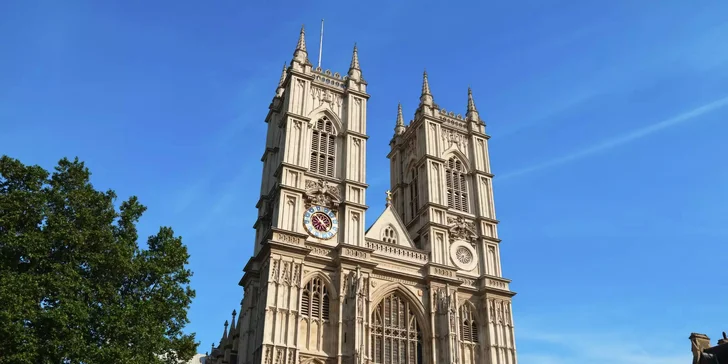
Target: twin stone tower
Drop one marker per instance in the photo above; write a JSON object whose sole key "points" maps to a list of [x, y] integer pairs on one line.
{"points": [[422, 285]]}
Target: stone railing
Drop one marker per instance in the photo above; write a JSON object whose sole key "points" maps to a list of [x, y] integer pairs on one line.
{"points": [[396, 252]]}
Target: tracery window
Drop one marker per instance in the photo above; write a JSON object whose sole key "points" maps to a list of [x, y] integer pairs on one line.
{"points": [[315, 300], [323, 148], [389, 235], [414, 193], [457, 187], [396, 335], [468, 325]]}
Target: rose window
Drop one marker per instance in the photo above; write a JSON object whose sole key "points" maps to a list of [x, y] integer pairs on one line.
{"points": [[464, 255]]}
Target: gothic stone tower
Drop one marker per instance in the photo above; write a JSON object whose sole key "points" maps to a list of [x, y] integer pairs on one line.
{"points": [[320, 289]]}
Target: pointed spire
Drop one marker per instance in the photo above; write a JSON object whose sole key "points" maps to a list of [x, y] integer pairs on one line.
{"points": [[224, 334], [472, 113], [232, 325], [399, 127], [471, 103], [301, 46], [400, 118], [280, 89], [426, 97], [354, 70], [425, 84], [300, 55], [283, 75], [355, 59]]}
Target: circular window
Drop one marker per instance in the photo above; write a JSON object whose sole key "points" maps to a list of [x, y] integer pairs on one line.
{"points": [[463, 255]]}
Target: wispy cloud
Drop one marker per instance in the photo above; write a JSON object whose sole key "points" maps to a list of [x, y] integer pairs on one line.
{"points": [[623, 139], [597, 348]]}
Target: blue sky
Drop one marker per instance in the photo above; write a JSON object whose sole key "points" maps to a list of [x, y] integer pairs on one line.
{"points": [[608, 123]]}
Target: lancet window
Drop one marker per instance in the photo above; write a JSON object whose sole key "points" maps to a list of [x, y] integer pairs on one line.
{"points": [[315, 300], [414, 193], [389, 235], [323, 148], [457, 187], [396, 335]]}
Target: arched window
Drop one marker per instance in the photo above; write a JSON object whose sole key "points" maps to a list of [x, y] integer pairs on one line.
{"points": [[468, 325], [315, 300], [414, 194], [389, 235], [323, 148], [457, 187], [396, 335]]}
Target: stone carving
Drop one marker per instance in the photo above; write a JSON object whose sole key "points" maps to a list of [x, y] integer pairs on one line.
{"points": [[286, 273], [297, 275], [410, 149], [279, 358], [274, 271], [315, 250], [321, 193], [321, 96], [450, 137], [285, 238], [461, 229], [268, 356]]}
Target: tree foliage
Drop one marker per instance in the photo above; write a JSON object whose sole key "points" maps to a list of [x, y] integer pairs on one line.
{"points": [[75, 287]]}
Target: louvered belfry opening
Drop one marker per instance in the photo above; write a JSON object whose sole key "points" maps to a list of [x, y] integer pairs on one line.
{"points": [[315, 300], [396, 335], [468, 325], [323, 148], [457, 188]]}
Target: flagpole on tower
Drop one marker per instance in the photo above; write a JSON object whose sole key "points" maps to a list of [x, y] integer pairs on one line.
{"points": [[321, 43]]}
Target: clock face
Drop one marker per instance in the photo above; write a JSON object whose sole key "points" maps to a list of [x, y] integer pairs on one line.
{"points": [[321, 222]]}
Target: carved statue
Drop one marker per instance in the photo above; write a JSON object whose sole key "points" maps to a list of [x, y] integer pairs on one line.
{"points": [[321, 193], [461, 229]]}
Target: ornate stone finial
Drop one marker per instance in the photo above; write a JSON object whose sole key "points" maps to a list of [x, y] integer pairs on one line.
{"points": [[472, 114], [234, 314], [354, 70], [724, 340], [389, 198], [426, 97], [399, 127]]}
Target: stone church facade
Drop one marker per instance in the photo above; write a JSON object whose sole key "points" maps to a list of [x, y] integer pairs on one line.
{"points": [[422, 285]]}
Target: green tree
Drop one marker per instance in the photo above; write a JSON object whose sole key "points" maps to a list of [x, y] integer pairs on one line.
{"points": [[75, 287]]}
